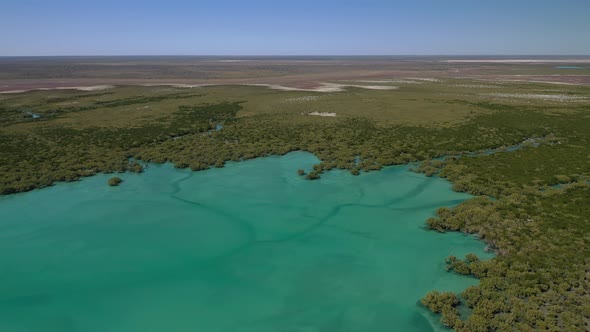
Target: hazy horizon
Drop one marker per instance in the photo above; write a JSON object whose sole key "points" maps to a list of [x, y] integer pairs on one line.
{"points": [[253, 56]]}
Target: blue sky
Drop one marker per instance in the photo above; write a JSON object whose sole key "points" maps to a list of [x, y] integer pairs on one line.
{"points": [[294, 27]]}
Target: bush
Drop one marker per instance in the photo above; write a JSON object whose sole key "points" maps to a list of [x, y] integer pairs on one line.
{"points": [[115, 181]]}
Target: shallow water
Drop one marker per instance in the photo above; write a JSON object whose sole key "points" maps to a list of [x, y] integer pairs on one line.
{"points": [[249, 247], [568, 67], [32, 115]]}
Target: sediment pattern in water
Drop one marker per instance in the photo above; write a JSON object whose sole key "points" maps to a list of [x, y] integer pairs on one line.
{"points": [[249, 247]]}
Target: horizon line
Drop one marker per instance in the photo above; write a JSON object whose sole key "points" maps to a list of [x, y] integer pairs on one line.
{"points": [[295, 55]]}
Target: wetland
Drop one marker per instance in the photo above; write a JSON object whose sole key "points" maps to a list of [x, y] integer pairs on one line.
{"points": [[213, 219]]}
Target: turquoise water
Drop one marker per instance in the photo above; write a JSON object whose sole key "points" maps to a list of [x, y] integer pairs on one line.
{"points": [[248, 247], [568, 67], [33, 115]]}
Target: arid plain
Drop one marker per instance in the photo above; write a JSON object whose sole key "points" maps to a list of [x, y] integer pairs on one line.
{"points": [[295, 72]]}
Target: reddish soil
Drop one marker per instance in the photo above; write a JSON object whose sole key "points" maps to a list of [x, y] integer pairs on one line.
{"points": [[23, 74]]}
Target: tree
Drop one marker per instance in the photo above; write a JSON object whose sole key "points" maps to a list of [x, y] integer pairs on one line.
{"points": [[136, 167], [436, 301], [312, 175], [115, 181]]}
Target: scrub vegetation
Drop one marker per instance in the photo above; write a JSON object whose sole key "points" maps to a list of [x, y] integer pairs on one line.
{"points": [[532, 206], [538, 223], [115, 181]]}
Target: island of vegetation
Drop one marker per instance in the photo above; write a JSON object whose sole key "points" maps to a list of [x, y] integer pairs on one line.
{"points": [[115, 181], [532, 204]]}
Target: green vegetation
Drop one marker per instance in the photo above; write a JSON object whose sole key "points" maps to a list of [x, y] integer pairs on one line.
{"points": [[444, 304], [539, 281], [540, 277], [115, 181], [28, 160]]}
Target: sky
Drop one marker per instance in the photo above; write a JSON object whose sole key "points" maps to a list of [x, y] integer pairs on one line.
{"points": [[294, 27]]}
